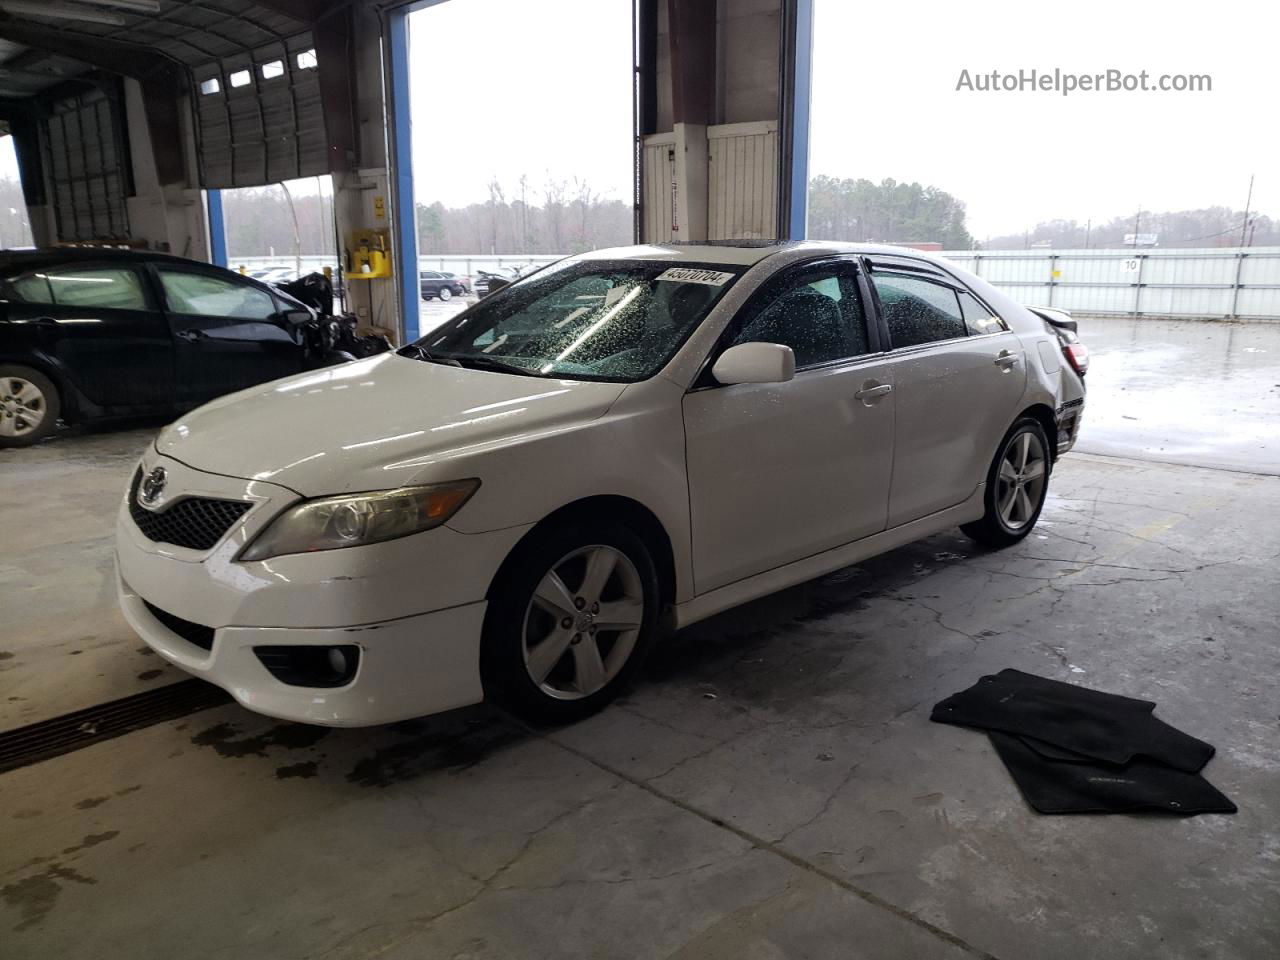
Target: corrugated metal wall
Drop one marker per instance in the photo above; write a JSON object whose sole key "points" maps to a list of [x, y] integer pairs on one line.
{"points": [[267, 130], [742, 181], [1213, 282], [85, 153]]}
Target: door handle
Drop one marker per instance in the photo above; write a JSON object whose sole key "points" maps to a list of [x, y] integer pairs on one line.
{"points": [[1006, 359], [190, 335], [872, 391]]}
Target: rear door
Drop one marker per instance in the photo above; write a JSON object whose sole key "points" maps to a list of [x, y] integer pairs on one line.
{"points": [[100, 324], [228, 333], [959, 375]]}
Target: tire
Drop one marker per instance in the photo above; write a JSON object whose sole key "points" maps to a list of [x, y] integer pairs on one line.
{"points": [[1015, 491], [445, 293], [528, 611], [29, 406]]}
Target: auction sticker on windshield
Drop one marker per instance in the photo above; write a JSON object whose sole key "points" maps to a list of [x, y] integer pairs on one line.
{"points": [[712, 278]]}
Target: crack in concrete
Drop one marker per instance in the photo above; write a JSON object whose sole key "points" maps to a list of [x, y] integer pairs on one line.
{"points": [[483, 886], [826, 805], [777, 850]]}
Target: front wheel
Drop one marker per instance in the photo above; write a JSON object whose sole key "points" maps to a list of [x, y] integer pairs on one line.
{"points": [[446, 293], [29, 406], [569, 622], [1017, 485]]}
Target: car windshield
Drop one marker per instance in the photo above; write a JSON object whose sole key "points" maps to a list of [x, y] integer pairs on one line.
{"points": [[585, 320]]}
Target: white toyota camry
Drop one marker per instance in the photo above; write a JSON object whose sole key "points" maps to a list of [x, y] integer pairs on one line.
{"points": [[627, 441]]}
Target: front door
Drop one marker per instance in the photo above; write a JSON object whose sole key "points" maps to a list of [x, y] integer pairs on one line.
{"points": [[228, 333], [782, 471], [958, 375], [99, 323]]}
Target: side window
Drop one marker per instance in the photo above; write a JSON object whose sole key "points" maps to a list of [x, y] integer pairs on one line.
{"points": [[209, 296], [31, 288], [918, 310], [818, 314], [110, 288], [978, 318]]}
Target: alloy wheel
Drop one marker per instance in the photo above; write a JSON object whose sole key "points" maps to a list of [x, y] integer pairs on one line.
{"points": [[583, 622], [1022, 478], [22, 407]]}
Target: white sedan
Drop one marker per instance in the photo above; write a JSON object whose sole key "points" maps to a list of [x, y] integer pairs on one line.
{"points": [[625, 442]]}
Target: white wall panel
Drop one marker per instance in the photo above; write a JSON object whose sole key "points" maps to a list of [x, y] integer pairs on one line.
{"points": [[657, 188], [743, 181]]}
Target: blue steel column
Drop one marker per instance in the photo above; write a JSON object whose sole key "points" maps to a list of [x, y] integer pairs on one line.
{"points": [[406, 223], [801, 85], [217, 229]]}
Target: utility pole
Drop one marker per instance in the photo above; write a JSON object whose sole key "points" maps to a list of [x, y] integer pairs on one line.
{"points": [[1137, 224], [1248, 200], [1087, 227]]}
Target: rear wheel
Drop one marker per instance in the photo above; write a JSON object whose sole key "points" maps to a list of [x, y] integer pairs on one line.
{"points": [[1017, 484], [29, 406], [569, 623]]}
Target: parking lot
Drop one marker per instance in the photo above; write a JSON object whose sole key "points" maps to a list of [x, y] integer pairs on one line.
{"points": [[772, 787]]}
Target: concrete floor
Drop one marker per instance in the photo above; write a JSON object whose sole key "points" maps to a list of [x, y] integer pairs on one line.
{"points": [[1206, 394], [772, 788]]}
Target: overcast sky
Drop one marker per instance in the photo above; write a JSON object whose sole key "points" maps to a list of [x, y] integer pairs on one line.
{"points": [[505, 87], [1018, 158], [554, 76]]}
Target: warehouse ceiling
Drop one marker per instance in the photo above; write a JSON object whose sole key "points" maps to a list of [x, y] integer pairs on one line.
{"points": [[25, 71], [190, 32], [249, 66]]}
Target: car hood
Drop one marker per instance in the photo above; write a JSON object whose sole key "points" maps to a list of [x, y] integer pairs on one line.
{"points": [[375, 424]]}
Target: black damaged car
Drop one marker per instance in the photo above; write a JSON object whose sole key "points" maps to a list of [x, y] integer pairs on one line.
{"points": [[94, 333]]}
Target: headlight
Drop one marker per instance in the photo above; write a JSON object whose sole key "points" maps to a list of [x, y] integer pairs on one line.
{"points": [[330, 523]]}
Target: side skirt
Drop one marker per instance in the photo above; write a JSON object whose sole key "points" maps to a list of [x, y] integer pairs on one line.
{"points": [[779, 578]]}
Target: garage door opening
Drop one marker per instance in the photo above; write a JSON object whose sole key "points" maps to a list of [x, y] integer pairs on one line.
{"points": [[15, 228], [521, 139], [281, 231]]}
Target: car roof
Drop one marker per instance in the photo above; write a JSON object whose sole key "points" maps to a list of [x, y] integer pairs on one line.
{"points": [[49, 256], [748, 252], [58, 256]]}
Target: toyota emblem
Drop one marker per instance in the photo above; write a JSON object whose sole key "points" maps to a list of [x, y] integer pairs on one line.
{"points": [[152, 486]]}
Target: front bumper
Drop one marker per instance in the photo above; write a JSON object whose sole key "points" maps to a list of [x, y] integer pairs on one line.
{"points": [[408, 667], [411, 663]]}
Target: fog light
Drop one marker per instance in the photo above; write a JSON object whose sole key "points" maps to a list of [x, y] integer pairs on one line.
{"points": [[311, 666]]}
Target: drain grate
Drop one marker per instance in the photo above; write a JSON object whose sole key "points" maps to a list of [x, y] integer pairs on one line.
{"points": [[72, 731]]}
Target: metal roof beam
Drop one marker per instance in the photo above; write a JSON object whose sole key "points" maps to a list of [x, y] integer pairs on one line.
{"points": [[126, 59]]}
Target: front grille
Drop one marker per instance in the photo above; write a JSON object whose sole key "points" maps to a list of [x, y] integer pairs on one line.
{"points": [[196, 634], [193, 522]]}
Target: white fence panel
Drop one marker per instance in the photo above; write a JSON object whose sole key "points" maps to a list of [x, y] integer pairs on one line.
{"points": [[1212, 282]]}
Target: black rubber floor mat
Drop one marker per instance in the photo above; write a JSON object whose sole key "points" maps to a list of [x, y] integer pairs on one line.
{"points": [[1099, 726], [1073, 786]]}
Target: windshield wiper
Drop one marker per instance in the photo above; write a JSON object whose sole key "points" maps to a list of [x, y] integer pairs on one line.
{"points": [[418, 352], [489, 363]]}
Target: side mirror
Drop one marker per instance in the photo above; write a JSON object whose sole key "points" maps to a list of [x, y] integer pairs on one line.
{"points": [[755, 363], [297, 318]]}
